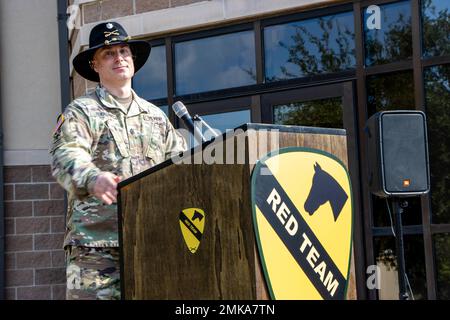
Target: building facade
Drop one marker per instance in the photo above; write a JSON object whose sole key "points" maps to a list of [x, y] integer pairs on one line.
{"points": [[32, 207], [297, 62]]}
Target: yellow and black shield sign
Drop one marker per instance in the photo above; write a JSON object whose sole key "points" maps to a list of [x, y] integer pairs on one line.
{"points": [[303, 219], [192, 223]]}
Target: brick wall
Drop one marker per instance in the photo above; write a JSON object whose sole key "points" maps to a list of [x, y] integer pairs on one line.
{"points": [[34, 229]]}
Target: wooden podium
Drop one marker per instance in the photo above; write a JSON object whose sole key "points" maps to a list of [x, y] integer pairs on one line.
{"points": [[155, 261]]}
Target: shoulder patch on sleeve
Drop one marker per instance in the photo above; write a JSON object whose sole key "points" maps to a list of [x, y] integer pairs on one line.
{"points": [[59, 122]]}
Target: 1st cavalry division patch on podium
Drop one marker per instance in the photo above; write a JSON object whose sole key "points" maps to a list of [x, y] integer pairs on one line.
{"points": [[192, 223], [303, 218]]}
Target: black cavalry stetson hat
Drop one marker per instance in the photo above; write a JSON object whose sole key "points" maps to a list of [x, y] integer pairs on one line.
{"points": [[107, 34]]}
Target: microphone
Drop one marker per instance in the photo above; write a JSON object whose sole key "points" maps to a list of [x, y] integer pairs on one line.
{"points": [[181, 111]]}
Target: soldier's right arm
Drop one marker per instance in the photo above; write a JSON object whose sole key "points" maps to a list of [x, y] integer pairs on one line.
{"points": [[71, 153]]}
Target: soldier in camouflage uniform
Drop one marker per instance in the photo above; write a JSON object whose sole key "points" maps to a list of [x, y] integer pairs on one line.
{"points": [[102, 138]]}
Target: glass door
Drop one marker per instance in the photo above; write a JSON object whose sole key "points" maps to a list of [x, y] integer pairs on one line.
{"points": [[222, 115], [326, 106]]}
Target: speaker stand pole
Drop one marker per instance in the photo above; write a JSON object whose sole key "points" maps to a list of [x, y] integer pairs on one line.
{"points": [[398, 210]]}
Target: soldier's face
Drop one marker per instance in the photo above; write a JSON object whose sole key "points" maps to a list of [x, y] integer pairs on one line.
{"points": [[114, 63]]}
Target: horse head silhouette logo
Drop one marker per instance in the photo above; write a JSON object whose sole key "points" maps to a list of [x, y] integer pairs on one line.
{"points": [[325, 188]]}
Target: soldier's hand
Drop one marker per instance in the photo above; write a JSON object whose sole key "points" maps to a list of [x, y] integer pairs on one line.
{"points": [[105, 187]]}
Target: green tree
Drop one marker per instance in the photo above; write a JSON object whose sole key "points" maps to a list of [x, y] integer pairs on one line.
{"points": [[394, 46], [331, 49], [437, 89], [326, 113], [436, 29]]}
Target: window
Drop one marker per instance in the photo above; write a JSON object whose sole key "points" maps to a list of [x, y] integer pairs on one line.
{"points": [[386, 260], [383, 216], [214, 63], [314, 46], [437, 90], [393, 41], [227, 120], [150, 82], [223, 121], [392, 91], [442, 257], [436, 27], [325, 113]]}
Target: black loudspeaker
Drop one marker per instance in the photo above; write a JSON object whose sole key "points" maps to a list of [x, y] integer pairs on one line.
{"points": [[398, 153]]}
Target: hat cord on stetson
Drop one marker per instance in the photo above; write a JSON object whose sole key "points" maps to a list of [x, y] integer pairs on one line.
{"points": [[111, 33], [108, 42]]}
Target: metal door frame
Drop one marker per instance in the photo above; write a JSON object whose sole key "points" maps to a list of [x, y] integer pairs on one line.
{"points": [[347, 91]]}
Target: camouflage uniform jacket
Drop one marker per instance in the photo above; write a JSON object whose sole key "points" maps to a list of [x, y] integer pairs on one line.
{"points": [[98, 134]]}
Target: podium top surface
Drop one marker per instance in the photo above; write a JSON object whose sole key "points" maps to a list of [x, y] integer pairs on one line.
{"points": [[243, 128], [294, 129]]}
